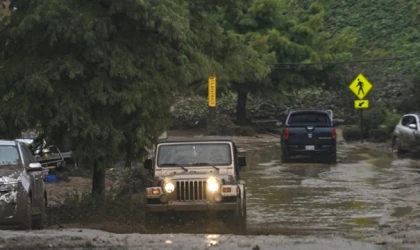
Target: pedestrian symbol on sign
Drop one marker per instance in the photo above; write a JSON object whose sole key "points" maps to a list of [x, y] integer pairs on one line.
{"points": [[360, 86]]}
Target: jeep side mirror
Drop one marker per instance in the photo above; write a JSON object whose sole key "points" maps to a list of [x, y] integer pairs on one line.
{"points": [[413, 126], [33, 167], [241, 161], [335, 123], [148, 164]]}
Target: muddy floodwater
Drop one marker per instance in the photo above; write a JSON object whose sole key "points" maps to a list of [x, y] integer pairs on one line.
{"points": [[369, 194], [369, 199], [366, 190]]}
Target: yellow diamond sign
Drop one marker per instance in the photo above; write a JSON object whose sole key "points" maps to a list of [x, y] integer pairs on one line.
{"points": [[360, 86]]}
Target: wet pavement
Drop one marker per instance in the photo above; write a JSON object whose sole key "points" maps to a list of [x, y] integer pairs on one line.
{"points": [[345, 199]]}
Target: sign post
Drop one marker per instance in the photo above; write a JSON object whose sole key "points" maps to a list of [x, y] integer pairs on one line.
{"points": [[211, 101], [361, 87]]}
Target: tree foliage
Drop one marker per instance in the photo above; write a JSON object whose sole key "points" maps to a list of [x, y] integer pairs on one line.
{"points": [[5, 14], [383, 28], [103, 71], [291, 33]]}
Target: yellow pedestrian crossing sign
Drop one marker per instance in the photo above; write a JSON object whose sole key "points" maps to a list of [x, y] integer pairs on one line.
{"points": [[361, 104], [360, 86]]}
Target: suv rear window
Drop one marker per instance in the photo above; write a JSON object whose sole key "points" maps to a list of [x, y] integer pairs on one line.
{"points": [[310, 118]]}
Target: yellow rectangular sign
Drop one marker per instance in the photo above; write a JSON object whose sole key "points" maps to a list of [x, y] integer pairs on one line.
{"points": [[361, 104], [212, 91]]}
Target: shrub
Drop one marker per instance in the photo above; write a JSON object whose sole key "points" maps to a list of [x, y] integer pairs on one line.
{"points": [[226, 104], [191, 111], [188, 111], [245, 131], [373, 118], [378, 135], [351, 133], [222, 125], [391, 121], [339, 102]]}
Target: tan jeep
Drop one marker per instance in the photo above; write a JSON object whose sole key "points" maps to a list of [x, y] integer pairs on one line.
{"points": [[197, 175]]}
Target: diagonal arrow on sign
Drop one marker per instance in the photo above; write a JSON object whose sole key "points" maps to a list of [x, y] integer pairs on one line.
{"points": [[361, 104]]}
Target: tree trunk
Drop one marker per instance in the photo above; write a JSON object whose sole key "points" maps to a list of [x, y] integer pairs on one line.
{"points": [[98, 179], [241, 118], [128, 154]]}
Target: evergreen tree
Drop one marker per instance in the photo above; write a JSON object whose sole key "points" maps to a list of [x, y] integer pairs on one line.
{"points": [[103, 71]]}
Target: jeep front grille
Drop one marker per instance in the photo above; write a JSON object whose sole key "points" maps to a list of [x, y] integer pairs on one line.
{"points": [[190, 190]]}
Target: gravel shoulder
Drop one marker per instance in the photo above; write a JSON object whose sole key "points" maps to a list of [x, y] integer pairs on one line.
{"points": [[86, 239]]}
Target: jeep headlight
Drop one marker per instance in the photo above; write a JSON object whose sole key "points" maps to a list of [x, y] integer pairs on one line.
{"points": [[169, 187], [213, 185]]}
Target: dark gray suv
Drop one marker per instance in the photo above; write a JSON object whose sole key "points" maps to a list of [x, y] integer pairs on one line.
{"points": [[23, 197]]}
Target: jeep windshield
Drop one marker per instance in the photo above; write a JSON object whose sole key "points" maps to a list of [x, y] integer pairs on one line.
{"points": [[8, 155], [194, 154]]}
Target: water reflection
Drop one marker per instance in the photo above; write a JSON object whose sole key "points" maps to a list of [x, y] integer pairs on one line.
{"points": [[169, 241], [212, 239]]}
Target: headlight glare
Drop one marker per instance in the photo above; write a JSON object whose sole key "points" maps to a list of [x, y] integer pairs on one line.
{"points": [[213, 185], [169, 187]]}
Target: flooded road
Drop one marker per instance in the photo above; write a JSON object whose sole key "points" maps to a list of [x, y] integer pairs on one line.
{"points": [[369, 200], [345, 199]]}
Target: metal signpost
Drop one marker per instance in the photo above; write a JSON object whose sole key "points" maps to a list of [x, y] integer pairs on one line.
{"points": [[361, 87]]}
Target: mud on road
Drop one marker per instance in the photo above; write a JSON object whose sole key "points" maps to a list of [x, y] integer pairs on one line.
{"points": [[368, 200]]}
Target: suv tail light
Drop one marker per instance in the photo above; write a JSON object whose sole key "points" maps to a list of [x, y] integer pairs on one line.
{"points": [[286, 133], [333, 134]]}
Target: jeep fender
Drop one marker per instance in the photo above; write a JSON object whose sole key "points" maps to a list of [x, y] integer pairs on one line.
{"points": [[242, 195]]}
